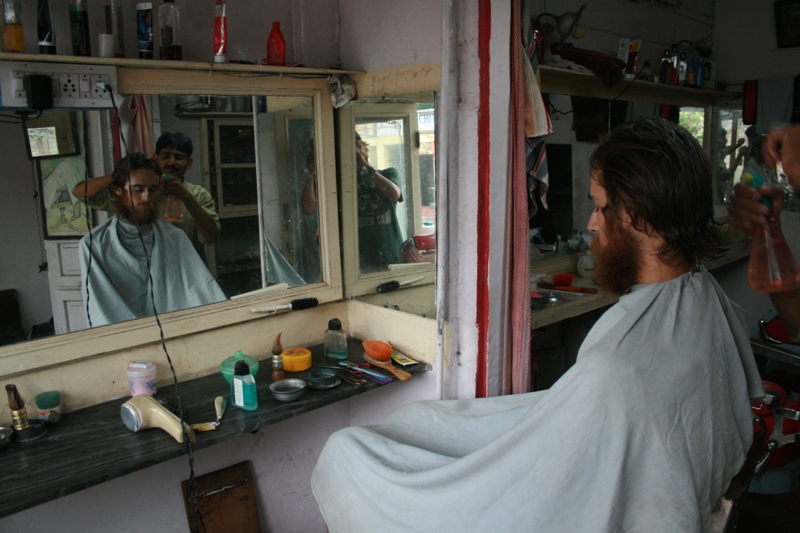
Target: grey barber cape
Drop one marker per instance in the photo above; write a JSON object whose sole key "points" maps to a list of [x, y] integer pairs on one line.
{"points": [[118, 281], [642, 434]]}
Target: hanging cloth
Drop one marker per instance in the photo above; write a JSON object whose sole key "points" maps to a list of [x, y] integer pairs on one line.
{"points": [[142, 126]]}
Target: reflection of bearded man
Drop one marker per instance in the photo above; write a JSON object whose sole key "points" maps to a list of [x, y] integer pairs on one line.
{"points": [[619, 261], [146, 210]]}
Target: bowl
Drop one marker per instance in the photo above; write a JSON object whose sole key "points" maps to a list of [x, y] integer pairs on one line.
{"points": [[323, 378], [5, 436], [228, 365], [288, 390], [563, 280]]}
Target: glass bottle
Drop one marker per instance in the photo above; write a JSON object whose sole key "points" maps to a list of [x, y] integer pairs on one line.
{"points": [[277, 368], [335, 340], [682, 69], [79, 28], [663, 73], [276, 46], [169, 23], [772, 267], [243, 387], [44, 29], [13, 34]]}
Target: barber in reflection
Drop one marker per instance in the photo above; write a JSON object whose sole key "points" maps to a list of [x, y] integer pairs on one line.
{"points": [[200, 221], [135, 264]]}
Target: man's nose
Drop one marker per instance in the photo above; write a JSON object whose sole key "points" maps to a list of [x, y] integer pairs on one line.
{"points": [[592, 225]]}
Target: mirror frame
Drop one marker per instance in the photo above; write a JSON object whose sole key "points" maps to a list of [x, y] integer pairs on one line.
{"points": [[155, 77], [406, 83]]}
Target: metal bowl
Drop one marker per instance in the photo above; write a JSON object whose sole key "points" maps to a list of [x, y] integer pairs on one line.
{"points": [[288, 390], [5, 436]]}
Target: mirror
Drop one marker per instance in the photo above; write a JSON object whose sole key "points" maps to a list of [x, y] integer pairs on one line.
{"points": [[388, 150], [249, 153]]}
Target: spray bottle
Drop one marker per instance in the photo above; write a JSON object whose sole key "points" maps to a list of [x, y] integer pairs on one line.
{"points": [[772, 267]]}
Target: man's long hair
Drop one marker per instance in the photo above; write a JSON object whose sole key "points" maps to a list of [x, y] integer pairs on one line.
{"points": [[129, 163], [657, 172]]}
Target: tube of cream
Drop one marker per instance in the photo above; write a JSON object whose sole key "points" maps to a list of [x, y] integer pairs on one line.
{"points": [[144, 29]]}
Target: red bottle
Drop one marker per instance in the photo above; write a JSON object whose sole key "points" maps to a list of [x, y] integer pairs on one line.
{"points": [[276, 46]]}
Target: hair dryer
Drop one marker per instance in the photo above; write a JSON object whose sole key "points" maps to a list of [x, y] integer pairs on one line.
{"points": [[142, 412]]}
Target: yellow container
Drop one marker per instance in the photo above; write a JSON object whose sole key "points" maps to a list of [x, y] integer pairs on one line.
{"points": [[296, 359]]}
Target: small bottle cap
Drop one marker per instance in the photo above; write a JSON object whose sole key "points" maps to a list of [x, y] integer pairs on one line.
{"points": [[241, 368], [335, 324]]}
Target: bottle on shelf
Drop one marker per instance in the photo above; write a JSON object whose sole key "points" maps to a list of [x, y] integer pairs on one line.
{"points": [[79, 28], [220, 33], [114, 26], [243, 387], [683, 67], [169, 24], [335, 340], [44, 29], [13, 33], [663, 71], [276, 46]]}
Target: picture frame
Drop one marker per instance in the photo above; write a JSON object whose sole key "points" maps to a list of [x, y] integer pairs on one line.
{"points": [[787, 23], [63, 215]]}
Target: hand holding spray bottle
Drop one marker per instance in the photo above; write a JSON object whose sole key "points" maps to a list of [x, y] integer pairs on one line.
{"points": [[772, 267]]}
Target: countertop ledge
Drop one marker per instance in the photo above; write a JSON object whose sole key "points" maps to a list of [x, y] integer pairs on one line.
{"points": [[92, 445]]}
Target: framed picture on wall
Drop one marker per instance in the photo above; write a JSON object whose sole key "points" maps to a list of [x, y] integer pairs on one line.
{"points": [[787, 23], [63, 215]]}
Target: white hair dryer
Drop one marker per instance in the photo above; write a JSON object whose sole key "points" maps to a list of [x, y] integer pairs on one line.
{"points": [[142, 412]]}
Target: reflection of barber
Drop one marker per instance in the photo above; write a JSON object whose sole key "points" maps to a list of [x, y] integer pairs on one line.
{"points": [[200, 221], [121, 257], [379, 235]]}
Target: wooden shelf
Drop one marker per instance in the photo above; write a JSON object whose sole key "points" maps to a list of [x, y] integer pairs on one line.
{"points": [[573, 83]]}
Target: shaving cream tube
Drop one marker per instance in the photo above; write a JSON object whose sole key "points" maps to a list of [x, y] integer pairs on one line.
{"points": [[144, 29]]}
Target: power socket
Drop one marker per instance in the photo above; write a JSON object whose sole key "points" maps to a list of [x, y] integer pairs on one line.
{"points": [[68, 85], [98, 91]]}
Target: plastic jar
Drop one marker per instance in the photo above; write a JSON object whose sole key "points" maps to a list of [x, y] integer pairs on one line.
{"points": [[296, 359], [48, 405], [142, 377]]}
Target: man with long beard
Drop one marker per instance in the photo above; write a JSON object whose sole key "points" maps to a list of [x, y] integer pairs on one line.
{"points": [[643, 433], [134, 264]]}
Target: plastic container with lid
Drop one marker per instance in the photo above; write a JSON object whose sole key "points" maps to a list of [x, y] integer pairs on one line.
{"points": [[228, 365], [48, 405], [296, 359], [142, 377]]}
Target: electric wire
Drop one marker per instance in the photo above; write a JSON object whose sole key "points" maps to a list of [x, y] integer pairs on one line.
{"points": [[186, 440]]}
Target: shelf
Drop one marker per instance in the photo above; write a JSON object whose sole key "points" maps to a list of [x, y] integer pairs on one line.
{"points": [[176, 65], [573, 83]]}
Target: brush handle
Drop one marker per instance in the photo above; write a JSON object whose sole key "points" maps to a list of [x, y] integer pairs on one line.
{"points": [[402, 375]]}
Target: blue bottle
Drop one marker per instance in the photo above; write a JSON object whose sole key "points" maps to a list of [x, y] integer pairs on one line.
{"points": [[243, 387]]}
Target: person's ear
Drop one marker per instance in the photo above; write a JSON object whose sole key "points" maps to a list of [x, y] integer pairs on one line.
{"points": [[189, 164], [116, 190]]}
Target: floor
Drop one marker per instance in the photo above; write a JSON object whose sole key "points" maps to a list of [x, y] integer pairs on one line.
{"points": [[770, 513]]}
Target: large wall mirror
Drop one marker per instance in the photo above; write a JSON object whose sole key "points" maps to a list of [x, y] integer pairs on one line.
{"points": [[387, 166], [254, 143], [580, 109]]}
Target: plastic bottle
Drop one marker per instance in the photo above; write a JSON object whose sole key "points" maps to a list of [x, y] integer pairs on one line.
{"points": [[114, 26], [335, 340], [243, 387], [665, 64], [169, 24], [682, 69], [276, 46], [44, 29], [220, 33], [772, 267], [144, 30], [79, 28], [13, 33], [172, 206]]}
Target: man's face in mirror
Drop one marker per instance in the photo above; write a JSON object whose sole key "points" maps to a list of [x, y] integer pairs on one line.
{"points": [[141, 195], [173, 162]]}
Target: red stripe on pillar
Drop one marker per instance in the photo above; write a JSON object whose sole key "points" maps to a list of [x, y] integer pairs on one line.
{"points": [[484, 127]]}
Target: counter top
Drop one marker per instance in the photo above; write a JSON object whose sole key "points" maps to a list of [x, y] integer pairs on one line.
{"points": [[91, 445]]}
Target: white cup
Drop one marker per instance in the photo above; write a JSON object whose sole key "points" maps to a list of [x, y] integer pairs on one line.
{"points": [[105, 46], [142, 377]]}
